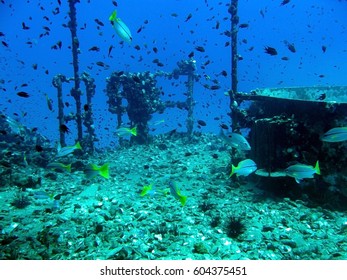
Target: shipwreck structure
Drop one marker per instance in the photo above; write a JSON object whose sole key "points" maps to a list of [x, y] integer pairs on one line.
{"points": [[286, 125]]}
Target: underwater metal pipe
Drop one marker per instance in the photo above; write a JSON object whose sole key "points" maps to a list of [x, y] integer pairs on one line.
{"points": [[88, 114], [234, 59], [57, 83], [75, 91], [113, 84], [188, 67]]}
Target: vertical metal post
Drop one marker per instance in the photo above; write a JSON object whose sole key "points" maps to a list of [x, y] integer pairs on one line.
{"points": [[75, 92], [57, 83], [234, 58]]}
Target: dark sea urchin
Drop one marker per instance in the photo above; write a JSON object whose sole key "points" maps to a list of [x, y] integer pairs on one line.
{"points": [[234, 227], [20, 201]]}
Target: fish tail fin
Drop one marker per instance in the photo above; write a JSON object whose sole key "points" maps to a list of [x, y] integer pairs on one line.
{"points": [[146, 190], [183, 200], [317, 168], [113, 16], [68, 168], [233, 169], [104, 171], [134, 131], [78, 146]]}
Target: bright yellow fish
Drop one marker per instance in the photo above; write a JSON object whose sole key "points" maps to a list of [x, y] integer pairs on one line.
{"points": [[121, 29]]}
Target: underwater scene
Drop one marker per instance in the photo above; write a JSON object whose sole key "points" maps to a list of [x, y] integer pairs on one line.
{"points": [[173, 130]]}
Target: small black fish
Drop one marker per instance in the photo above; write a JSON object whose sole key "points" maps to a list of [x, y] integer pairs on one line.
{"points": [[94, 48], [99, 22], [100, 63], [243, 25], [4, 44], [139, 30], [57, 45], [63, 128], [324, 48], [110, 50], [115, 3], [86, 107], [191, 54], [25, 27], [200, 49], [321, 97], [290, 46], [23, 94], [224, 73], [188, 17], [214, 87], [270, 50], [284, 2], [223, 126], [155, 50], [201, 122], [2, 34]]}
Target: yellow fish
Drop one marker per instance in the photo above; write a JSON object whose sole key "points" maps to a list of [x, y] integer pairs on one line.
{"points": [[125, 131], [93, 170], [121, 29]]}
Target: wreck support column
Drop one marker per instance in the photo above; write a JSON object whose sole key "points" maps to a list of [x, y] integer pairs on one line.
{"points": [[75, 91], [234, 59]]}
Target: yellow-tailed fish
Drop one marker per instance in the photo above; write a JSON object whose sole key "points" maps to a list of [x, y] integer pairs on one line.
{"points": [[176, 193], [302, 171], [93, 170], [43, 195], [67, 150], [149, 189], [59, 166], [244, 168], [125, 131], [121, 29], [337, 134]]}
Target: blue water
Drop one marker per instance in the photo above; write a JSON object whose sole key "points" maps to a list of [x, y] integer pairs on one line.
{"points": [[307, 24]]}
